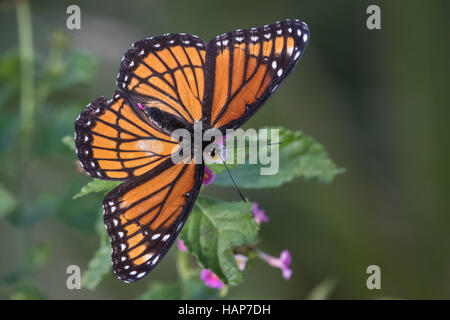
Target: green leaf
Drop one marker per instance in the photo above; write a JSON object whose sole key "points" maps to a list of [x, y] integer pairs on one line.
{"points": [[27, 292], [300, 156], [9, 76], [79, 214], [187, 290], [162, 291], [34, 260], [7, 202], [41, 207], [80, 70], [75, 69], [323, 290], [98, 267], [97, 185], [40, 255], [69, 141], [214, 228], [100, 264]]}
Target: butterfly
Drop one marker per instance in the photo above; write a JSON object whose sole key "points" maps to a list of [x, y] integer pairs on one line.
{"points": [[167, 82]]}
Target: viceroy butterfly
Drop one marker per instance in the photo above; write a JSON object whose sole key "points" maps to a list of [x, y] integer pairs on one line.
{"points": [[222, 83]]}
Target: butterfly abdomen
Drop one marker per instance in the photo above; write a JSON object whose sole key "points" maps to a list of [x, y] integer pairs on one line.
{"points": [[165, 120]]}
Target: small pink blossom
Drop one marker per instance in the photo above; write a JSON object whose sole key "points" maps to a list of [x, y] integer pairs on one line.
{"points": [[241, 261], [221, 142], [181, 245], [209, 176], [283, 262], [210, 279], [220, 151], [259, 214]]}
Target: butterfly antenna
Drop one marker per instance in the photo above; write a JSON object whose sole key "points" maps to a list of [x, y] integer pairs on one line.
{"points": [[269, 144], [234, 182]]}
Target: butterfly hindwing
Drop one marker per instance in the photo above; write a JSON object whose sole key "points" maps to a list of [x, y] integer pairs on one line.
{"points": [[115, 139], [167, 69], [244, 67], [143, 216]]}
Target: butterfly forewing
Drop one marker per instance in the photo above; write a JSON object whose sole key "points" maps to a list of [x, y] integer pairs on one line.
{"points": [[169, 70], [244, 67], [115, 139], [143, 216]]}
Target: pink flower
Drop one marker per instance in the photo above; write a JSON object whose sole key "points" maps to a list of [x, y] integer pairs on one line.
{"points": [[181, 245], [210, 279], [283, 262], [209, 176], [221, 142], [258, 214], [220, 154], [241, 261]]}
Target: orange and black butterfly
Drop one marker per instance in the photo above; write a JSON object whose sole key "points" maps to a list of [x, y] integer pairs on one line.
{"points": [[169, 82]]}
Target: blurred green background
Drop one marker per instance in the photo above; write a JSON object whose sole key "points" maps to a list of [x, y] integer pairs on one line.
{"points": [[377, 100]]}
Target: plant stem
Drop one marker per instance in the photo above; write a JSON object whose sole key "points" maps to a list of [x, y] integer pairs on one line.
{"points": [[26, 53], [185, 272], [27, 107], [183, 265]]}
